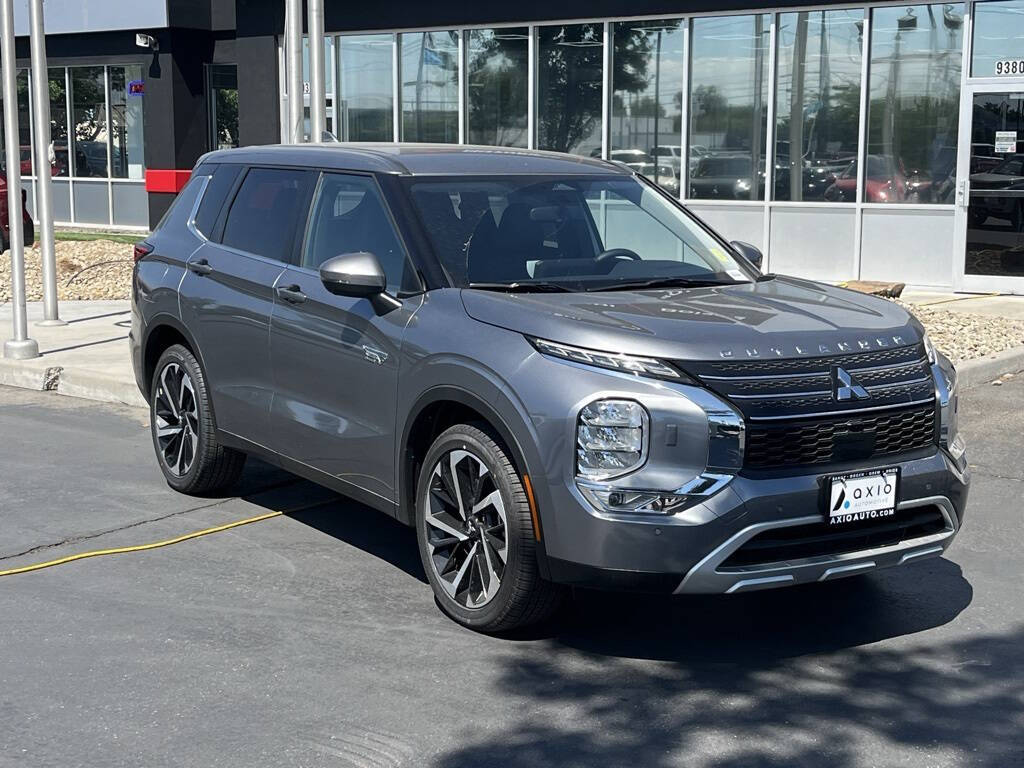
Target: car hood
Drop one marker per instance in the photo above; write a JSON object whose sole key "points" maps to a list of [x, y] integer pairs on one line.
{"points": [[783, 317]]}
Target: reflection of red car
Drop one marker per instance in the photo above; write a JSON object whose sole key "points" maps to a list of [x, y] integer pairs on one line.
{"points": [[26, 219], [883, 183]]}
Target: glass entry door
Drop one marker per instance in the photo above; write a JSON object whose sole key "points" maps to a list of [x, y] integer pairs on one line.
{"points": [[991, 197]]}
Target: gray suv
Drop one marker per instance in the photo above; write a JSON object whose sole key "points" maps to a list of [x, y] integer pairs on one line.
{"points": [[551, 370]]}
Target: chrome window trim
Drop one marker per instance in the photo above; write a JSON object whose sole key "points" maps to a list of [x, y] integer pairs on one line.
{"points": [[191, 222]]}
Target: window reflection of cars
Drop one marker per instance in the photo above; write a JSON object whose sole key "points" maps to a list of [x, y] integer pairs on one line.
{"points": [[1007, 176], [664, 174], [669, 154], [724, 176], [884, 182]]}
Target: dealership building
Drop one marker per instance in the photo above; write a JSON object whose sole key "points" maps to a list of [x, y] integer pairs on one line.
{"points": [[880, 141]]}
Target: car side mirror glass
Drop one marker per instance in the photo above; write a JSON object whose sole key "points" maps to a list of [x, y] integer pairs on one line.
{"points": [[358, 274], [749, 252]]}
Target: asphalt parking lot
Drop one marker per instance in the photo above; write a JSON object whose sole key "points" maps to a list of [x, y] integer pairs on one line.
{"points": [[312, 639]]}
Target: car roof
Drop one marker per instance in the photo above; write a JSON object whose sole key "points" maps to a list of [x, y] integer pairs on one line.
{"points": [[417, 159]]}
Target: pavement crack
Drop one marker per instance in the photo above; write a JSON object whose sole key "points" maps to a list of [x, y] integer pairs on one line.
{"points": [[127, 526], [147, 521], [995, 475]]}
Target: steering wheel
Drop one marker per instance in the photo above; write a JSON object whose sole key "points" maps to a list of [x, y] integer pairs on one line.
{"points": [[616, 254]]}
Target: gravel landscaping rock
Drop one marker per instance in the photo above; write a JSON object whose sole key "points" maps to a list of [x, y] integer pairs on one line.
{"points": [[102, 269], [92, 269], [961, 336]]}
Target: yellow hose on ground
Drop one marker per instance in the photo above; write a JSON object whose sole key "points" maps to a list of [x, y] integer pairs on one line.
{"points": [[157, 544]]}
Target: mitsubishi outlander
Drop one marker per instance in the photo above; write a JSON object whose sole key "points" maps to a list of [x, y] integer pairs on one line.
{"points": [[549, 368]]}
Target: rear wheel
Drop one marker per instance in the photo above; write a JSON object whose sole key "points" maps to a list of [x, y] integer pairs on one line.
{"points": [[184, 432], [476, 538]]}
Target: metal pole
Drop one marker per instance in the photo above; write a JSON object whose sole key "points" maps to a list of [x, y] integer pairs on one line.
{"points": [[317, 90], [44, 196], [293, 69], [20, 346]]}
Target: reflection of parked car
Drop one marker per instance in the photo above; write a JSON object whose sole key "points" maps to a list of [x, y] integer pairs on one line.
{"points": [[724, 176], [1007, 176], [26, 219], [884, 182], [670, 154], [95, 156], [665, 175]]}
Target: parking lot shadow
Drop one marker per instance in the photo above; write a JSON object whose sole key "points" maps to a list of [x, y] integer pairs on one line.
{"points": [[785, 678]]}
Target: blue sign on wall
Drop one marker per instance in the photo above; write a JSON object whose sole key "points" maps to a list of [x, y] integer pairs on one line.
{"points": [[136, 87]]}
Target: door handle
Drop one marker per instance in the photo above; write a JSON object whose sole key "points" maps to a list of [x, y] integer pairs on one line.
{"points": [[200, 267], [291, 293]]}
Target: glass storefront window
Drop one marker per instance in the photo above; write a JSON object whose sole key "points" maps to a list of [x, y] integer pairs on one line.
{"points": [[367, 92], [89, 121], [430, 86], [569, 88], [59, 157], [24, 128], [496, 77], [817, 104], [126, 88], [366, 88], [729, 107], [647, 98], [914, 104], [998, 38]]}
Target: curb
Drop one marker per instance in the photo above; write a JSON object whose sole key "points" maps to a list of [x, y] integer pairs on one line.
{"points": [[84, 384], [984, 370]]}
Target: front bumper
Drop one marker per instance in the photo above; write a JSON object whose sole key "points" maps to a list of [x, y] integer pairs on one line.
{"points": [[692, 552]]}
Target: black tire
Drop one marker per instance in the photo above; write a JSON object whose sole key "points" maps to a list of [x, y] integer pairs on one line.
{"points": [[522, 597], [210, 467]]}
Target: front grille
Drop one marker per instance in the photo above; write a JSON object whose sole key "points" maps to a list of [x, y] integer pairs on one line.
{"points": [[838, 439], [814, 540], [794, 419]]}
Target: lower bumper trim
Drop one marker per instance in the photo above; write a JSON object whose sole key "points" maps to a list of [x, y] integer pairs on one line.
{"points": [[710, 576]]}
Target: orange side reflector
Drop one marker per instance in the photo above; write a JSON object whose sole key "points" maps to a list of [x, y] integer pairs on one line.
{"points": [[533, 506]]}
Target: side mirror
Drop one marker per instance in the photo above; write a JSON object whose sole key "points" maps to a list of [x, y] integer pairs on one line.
{"points": [[749, 252], [356, 274]]}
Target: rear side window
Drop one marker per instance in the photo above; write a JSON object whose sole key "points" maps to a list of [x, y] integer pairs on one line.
{"points": [[177, 215], [266, 211], [213, 199]]}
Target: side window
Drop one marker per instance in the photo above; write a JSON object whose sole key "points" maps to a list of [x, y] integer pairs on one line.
{"points": [[213, 199], [349, 216], [265, 212], [177, 214]]}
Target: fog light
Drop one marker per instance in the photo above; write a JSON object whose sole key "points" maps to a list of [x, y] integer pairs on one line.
{"points": [[611, 438], [632, 502]]}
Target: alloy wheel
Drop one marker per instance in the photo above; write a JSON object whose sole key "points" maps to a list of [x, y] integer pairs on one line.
{"points": [[176, 413], [466, 528]]}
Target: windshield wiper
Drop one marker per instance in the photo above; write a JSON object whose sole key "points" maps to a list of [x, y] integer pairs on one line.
{"points": [[531, 287], [661, 282]]}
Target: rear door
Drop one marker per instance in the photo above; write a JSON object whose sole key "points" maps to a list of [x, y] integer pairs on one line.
{"points": [[227, 295], [335, 359]]}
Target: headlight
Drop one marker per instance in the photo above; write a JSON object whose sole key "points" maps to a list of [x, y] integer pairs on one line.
{"points": [[611, 439], [641, 366]]}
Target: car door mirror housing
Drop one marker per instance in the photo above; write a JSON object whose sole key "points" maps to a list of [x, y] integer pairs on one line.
{"points": [[356, 274], [749, 252]]}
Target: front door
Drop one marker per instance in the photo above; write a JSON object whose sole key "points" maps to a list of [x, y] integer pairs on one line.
{"points": [[990, 191], [336, 358]]}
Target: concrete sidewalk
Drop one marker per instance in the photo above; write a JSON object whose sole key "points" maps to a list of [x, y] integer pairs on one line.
{"points": [[88, 357], [968, 303]]}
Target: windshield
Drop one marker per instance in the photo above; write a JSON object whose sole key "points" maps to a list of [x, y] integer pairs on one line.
{"points": [[569, 233], [723, 166]]}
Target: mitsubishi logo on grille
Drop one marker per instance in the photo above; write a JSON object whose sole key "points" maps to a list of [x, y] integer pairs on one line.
{"points": [[845, 387]]}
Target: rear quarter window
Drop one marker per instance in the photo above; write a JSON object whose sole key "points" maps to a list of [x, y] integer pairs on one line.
{"points": [[216, 193]]}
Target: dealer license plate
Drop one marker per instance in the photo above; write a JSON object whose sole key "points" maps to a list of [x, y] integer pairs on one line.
{"points": [[863, 497]]}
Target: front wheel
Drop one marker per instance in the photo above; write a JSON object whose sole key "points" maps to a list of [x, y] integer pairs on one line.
{"points": [[184, 432], [476, 537]]}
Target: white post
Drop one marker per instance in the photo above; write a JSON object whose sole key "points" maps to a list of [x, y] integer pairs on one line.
{"points": [[317, 90], [20, 346], [44, 193], [293, 69]]}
